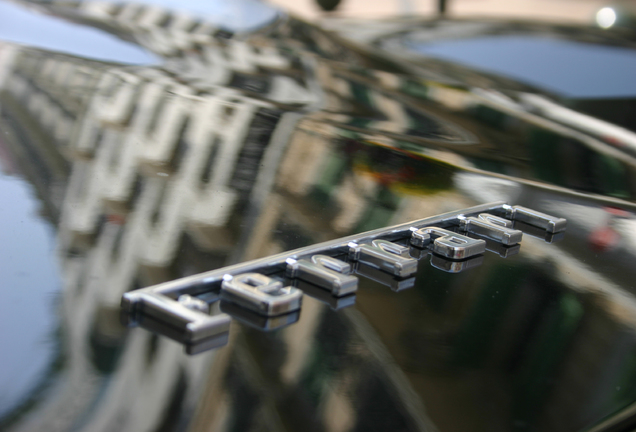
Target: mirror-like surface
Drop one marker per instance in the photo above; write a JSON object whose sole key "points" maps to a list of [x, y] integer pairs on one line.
{"points": [[238, 145]]}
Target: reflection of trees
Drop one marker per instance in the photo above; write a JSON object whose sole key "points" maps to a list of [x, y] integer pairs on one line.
{"points": [[465, 343], [471, 124]]}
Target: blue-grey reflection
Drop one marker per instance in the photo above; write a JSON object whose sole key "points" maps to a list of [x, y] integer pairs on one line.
{"points": [[558, 65], [237, 15], [17, 24], [29, 328]]}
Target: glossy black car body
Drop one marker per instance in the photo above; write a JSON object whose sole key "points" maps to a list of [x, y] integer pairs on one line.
{"points": [[201, 141]]}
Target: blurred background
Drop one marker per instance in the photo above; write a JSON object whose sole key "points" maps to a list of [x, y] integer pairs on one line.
{"points": [[564, 11]]}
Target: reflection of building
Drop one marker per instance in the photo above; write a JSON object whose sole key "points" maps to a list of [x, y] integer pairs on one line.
{"points": [[39, 118], [202, 56], [155, 169], [134, 166], [193, 149]]}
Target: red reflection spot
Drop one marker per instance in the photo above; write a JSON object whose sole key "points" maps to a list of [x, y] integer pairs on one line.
{"points": [[603, 239]]}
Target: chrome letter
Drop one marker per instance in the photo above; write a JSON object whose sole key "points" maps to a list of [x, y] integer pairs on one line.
{"points": [[490, 226], [326, 272], [384, 255], [447, 243], [550, 223], [260, 294]]}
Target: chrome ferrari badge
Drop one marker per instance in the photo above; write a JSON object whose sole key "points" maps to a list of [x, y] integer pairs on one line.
{"points": [[267, 293]]}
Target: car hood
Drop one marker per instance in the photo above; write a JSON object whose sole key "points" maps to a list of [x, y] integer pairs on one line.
{"points": [[199, 139]]}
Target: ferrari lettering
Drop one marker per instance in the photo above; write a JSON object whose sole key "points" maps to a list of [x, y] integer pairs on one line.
{"points": [[267, 293]]}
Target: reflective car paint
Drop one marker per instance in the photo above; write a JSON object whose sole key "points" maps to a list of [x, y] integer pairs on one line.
{"points": [[239, 145]]}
